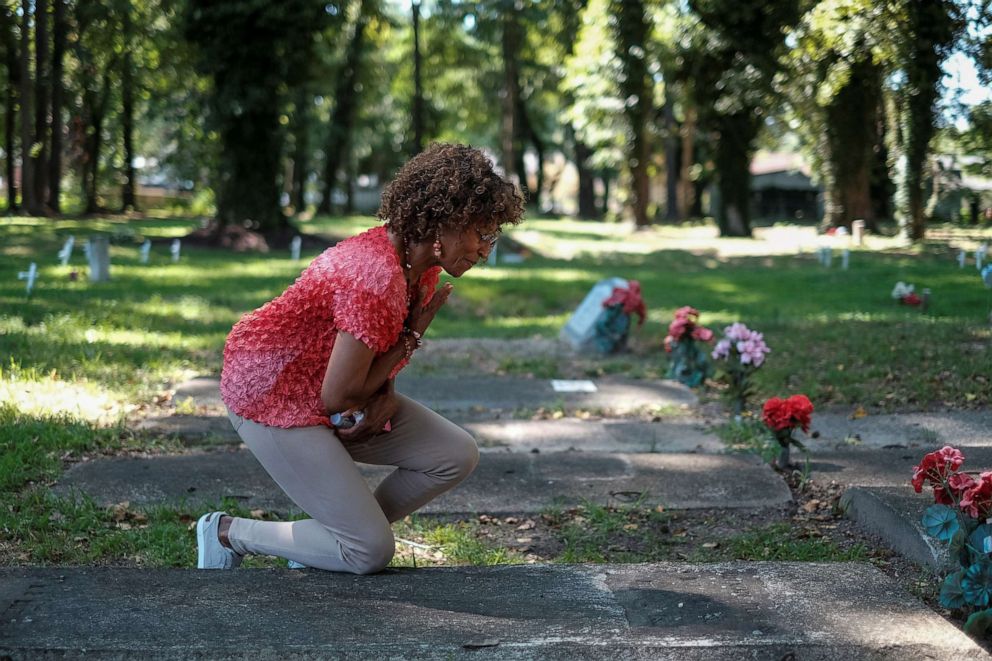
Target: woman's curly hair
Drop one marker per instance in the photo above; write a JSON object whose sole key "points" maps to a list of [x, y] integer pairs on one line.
{"points": [[448, 186]]}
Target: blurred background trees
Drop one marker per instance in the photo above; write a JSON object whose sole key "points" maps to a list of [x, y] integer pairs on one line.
{"points": [[253, 112]]}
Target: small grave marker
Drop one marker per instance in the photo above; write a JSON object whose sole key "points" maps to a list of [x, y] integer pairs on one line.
{"points": [[826, 256], [66, 251], [858, 232], [980, 255], [99, 257], [580, 329], [294, 248], [581, 385], [146, 248], [962, 257], [30, 275], [845, 259], [175, 250]]}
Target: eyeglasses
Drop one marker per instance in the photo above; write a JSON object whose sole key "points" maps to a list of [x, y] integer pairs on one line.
{"points": [[491, 238]]}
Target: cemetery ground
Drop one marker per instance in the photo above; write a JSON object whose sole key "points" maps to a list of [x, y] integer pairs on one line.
{"points": [[85, 364]]}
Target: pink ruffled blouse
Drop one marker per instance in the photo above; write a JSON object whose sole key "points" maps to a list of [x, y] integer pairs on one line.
{"points": [[275, 357]]}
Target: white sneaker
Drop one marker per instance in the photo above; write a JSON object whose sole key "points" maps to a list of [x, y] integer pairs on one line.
{"points": [[293, 564], [211, 554]]}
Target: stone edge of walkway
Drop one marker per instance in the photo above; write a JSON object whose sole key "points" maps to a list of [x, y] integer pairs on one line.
{"points": [[894, 513]]}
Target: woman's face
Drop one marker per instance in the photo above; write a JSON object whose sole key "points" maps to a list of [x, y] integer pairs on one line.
{"points": [[461, 249]]}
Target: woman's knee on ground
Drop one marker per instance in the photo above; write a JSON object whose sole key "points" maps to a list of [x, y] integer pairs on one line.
{"points": [[372, 553], [460, 457]]}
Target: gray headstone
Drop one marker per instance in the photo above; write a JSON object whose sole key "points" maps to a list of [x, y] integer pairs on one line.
{"points": [[294, 248], [581, 326], [99, 257], [175, 249], [146, 248]]}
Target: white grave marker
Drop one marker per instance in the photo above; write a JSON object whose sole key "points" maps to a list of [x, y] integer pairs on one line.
{"points": [[826, 256], [979, 256], [99, 257], [962, 257], [858, 232], [175, 250], [294, 248], [66, 251], [581, 326], [582, 385], [30, 275], [146, 248], [845, 259]]}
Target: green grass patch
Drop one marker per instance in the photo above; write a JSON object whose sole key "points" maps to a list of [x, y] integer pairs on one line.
{"points": [[597, 533], [782, 542]]}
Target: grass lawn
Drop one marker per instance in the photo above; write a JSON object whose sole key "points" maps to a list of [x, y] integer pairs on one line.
{"points": [[76, 358]]}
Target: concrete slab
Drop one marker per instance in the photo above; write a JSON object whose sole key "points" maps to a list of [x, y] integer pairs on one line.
{"points": [[972, 428], [892, 467], [503, 482], [669, 435], [651, 611], [894, 514], [504, 393]]}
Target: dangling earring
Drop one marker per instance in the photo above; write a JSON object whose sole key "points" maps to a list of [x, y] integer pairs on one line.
{"points": [[406, 255], [437, 244]]}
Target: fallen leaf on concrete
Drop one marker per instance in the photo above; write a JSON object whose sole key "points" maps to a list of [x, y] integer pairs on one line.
{"points": [[526, 525], [859, 413], [811, 505], [710, 545]]}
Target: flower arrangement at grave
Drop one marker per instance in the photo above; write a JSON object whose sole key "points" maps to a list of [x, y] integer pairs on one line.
{"points": [[613, 325], [906, 294], [739, 354], [783, 417], [689, 363], [960, 517]]}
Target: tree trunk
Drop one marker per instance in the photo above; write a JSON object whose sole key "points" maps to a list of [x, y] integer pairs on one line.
{"points": [[128, 198], [28, 201], [527, 130], [631, 30], [58, 94], [510, 129], [851, 134], [94, 144], [687, 201], [301, 148], [7, 19], [41, 110], [733, 160], [587, 188], [882, 186], [418, 89], [672, 165], [930, 26], [343, 117]]}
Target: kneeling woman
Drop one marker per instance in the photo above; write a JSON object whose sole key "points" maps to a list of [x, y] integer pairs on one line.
{"points": [[308, 377]]}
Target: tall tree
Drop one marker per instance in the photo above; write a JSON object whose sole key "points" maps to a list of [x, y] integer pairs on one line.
{"points": [[418, 86], [8, 42], [28, 198], [731, 59], [59, 30], [636, 89], [930, 31], [128, 197], [346, 99], [39, 150], [249, 49]]}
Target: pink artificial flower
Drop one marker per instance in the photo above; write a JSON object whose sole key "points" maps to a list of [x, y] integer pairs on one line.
{"points": [[702, 334], [936, 466]]}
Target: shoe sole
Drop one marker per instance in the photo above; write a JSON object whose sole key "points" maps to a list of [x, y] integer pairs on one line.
{"points": [[200, 528]]}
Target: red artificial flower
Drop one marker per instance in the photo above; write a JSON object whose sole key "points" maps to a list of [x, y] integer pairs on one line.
{"points": [[630, 298], [911, 299], [780, 414], [685, 325], [936, 466], [977, 500], [702, 334]]}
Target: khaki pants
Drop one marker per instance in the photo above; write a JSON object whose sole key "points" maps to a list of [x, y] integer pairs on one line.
{"points": [[350, 526]]}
